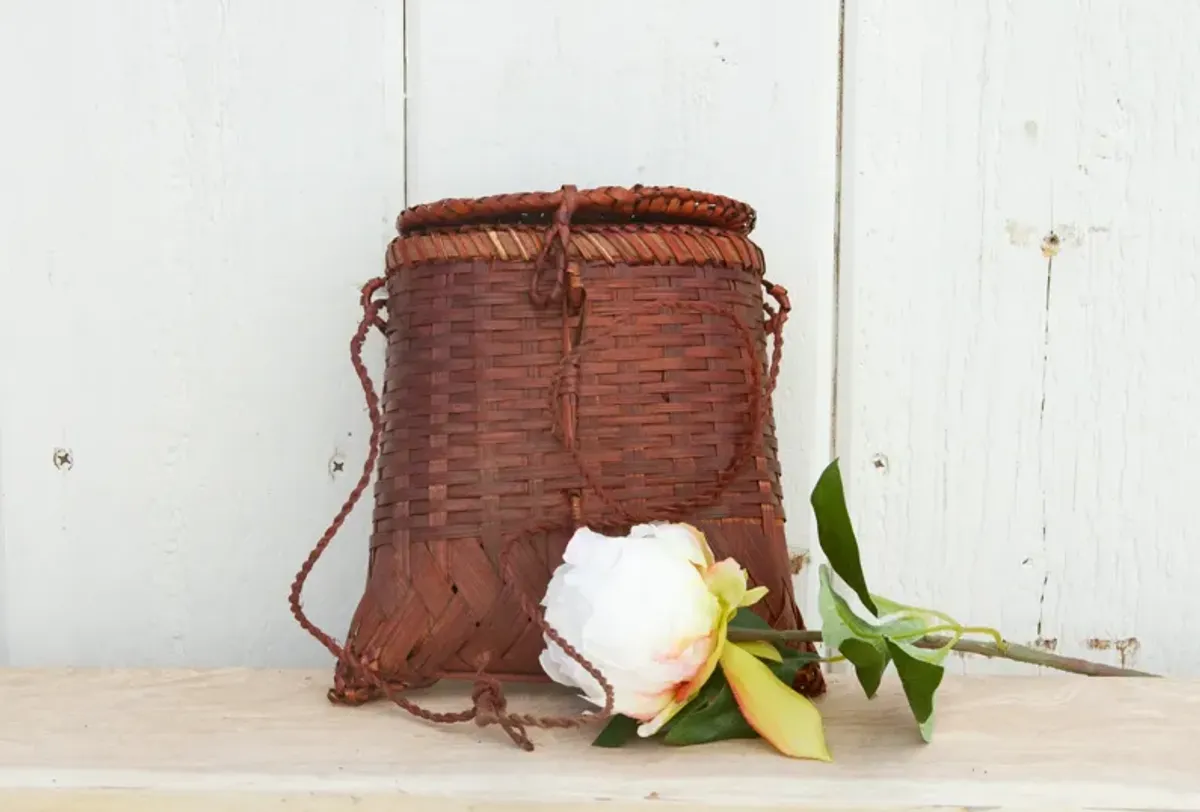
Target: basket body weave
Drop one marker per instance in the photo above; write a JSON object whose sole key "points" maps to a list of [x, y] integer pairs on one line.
{"points": [[554, 360]]}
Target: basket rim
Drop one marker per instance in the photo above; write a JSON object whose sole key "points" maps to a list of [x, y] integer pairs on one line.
{"points": [[636, 244], [603, 204]]}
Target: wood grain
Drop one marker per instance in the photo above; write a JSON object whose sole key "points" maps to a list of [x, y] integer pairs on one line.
{"points": [[193, 194], [259, 738], [1017, 312]]}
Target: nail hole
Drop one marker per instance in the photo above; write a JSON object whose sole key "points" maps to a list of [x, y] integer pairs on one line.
{"points": [[880, 463], [1051, 244], [64, 460]]}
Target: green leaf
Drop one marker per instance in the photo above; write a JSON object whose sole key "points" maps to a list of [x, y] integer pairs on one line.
{"points": [[869, 661], [787, 670], [856, 639], [836, 533], [920, 679], [911, 618], [910, 625], [800, 658], [935, 656], [617, 732], [717, 720], [747, 618], [838, 620], [891, 607], [868, 646]]}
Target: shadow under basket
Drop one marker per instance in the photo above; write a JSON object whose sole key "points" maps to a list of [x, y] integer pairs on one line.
{"points": [[554, 360]]}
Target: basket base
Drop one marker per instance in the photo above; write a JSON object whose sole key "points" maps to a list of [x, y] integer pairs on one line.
{"points": [[398, 645]]}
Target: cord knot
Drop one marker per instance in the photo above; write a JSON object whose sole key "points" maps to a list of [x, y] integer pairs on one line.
{"points": [[490, 702], [491, 708]]}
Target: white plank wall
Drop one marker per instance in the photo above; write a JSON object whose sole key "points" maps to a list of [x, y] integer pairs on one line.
{"points": [[1019, 431], [192, 194]]}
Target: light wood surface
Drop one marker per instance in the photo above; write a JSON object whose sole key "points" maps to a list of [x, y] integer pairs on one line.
{"points": [[264, 739]]}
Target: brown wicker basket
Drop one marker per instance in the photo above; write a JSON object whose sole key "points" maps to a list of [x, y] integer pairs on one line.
{"points": [[592, 357]]}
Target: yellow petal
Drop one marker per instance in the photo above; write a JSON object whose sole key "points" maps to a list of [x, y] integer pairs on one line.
{"points": [[753, 596], [727, 581], [687, 692], [783, 717], [761, 649]]}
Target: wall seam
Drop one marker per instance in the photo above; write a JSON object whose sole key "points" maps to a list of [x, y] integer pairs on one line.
{"points": [[836, 304]]}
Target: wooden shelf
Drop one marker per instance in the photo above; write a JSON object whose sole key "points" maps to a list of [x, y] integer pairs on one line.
{"points": [[243, 740]]}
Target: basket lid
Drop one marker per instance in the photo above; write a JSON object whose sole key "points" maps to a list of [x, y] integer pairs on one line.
{"points": [[606, 204]]}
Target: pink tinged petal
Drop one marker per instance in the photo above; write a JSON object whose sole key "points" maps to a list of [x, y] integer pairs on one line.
{"points": [[683, 693], [631, 697], [703, 612], [681, 663], [687, 691], [760, 649], [783, 717], [646, 706]]}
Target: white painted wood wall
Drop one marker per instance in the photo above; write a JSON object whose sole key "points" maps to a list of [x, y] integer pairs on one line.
{"points": [[190, 194]]}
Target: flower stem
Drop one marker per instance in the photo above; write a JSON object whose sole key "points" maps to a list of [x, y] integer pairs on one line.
{"points": [[1004, 650]]}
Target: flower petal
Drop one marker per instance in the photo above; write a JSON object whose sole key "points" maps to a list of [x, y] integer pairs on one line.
{"points": [[753, 596], [727, 581], [593, 552], [783, 717], [643, 707], [761, 649], [702, 542], [687, 691], [681, 538]]}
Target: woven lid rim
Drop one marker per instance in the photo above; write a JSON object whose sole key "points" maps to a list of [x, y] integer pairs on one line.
{"points": [[622, 204]]}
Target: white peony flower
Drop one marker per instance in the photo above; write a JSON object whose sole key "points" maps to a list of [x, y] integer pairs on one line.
{"points": [[649, 610]]}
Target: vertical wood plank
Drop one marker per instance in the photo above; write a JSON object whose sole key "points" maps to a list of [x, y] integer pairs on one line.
{"points": [[193, 193], [1122, 382], [1018, 293], [737, 99]]}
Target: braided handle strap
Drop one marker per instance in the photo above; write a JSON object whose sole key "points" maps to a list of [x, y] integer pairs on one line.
{"points": [[562, 384], [489, 705]]}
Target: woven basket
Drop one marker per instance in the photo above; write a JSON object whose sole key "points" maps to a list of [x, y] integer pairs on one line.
{"points": [[559, 359]]}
